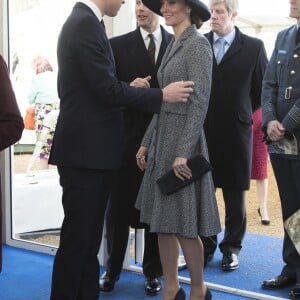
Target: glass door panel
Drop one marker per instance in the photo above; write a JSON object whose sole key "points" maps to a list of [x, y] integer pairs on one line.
{"points": [[36, 208]]}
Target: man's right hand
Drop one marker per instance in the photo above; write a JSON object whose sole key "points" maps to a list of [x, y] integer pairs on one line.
{"points": [[177, 91]]}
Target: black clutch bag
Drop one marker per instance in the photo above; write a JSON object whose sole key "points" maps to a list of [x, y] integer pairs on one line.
{"points": [[169, 183]]}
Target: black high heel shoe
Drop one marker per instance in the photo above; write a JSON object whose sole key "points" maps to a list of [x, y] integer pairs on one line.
{"points": [[208, 295], [180, 295], [263, 222]]}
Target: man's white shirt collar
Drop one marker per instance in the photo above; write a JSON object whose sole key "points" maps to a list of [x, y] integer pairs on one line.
{"points": [[156, 34], [93, 7]]}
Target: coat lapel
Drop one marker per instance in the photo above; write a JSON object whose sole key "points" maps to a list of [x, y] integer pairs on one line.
{"points": [[210, 38], [291, 38], [140, 53], [163, 46], [235, 46], [173, 48], [232, 50], [108, 47]]}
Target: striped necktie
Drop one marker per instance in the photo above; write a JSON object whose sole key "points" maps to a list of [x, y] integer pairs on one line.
{"points": [[151, 49]]}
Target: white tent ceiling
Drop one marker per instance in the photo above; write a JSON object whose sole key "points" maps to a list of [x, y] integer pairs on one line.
{"points": [[263, 15], [264, 23]]}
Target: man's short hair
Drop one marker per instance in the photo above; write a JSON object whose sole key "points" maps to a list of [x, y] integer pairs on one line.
{"points": [[231, 5]]}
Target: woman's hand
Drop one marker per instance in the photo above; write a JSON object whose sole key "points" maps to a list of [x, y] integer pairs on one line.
{"points": [[141, 158], [181, 168]]}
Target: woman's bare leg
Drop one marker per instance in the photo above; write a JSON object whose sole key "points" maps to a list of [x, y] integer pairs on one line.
{"points": [[169, 252], [193, 253], [262, 194]]}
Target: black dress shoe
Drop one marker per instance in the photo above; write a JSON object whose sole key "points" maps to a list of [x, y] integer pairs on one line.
{"points": [[207, 258], [230, 262], [107, 282], [210, 244], [180, 295], [295, 292], [152, 286], [279, 282], [208, 295]]}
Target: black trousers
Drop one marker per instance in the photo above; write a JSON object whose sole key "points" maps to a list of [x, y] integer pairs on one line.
{"points": [[235, 224], [117, 234], [76, 268], [287, 174], [120, 214]]}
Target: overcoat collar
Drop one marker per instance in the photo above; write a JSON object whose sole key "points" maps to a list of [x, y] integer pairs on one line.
{"points": [[235, 47], [174, 47], [288, 44], [291, 37]]}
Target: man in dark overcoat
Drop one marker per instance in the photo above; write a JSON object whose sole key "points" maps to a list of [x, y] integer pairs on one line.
{"points": [[133, 60], [239, 66]]}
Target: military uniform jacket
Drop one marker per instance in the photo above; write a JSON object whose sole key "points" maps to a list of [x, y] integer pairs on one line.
{"points": [[281, 91]]}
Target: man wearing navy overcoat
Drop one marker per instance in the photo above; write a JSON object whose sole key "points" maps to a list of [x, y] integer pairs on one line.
{"points": [[238, 69]]}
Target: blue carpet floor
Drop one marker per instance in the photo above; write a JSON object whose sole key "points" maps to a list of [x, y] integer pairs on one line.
{"points": [[26, 275]]}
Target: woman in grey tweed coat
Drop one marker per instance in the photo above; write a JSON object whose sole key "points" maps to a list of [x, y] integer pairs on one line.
{"points": [[172, 137]]}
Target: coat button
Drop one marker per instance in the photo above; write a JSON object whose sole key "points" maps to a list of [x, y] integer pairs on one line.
{"points": [[293, 72], [295, 55], [278, 62]]}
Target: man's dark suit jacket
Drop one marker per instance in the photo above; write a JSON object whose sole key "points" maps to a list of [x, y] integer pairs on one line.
{"points": [[132, 61], [11, 121], [235, 94], [89, 127]]}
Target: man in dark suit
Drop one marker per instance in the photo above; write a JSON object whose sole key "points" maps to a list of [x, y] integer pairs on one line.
{"points": [[11, 122], [132, 61], [87, 143], [239, 66]]}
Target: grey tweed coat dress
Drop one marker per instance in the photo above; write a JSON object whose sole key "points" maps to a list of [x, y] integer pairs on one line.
{"points": [[178, 132]]}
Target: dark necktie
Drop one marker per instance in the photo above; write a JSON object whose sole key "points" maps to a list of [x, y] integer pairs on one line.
{"points": [[151, 49], [102, 23], [298, 36]]}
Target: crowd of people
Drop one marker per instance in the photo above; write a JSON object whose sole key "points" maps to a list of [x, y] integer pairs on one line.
{"points": [[147, 102]]}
